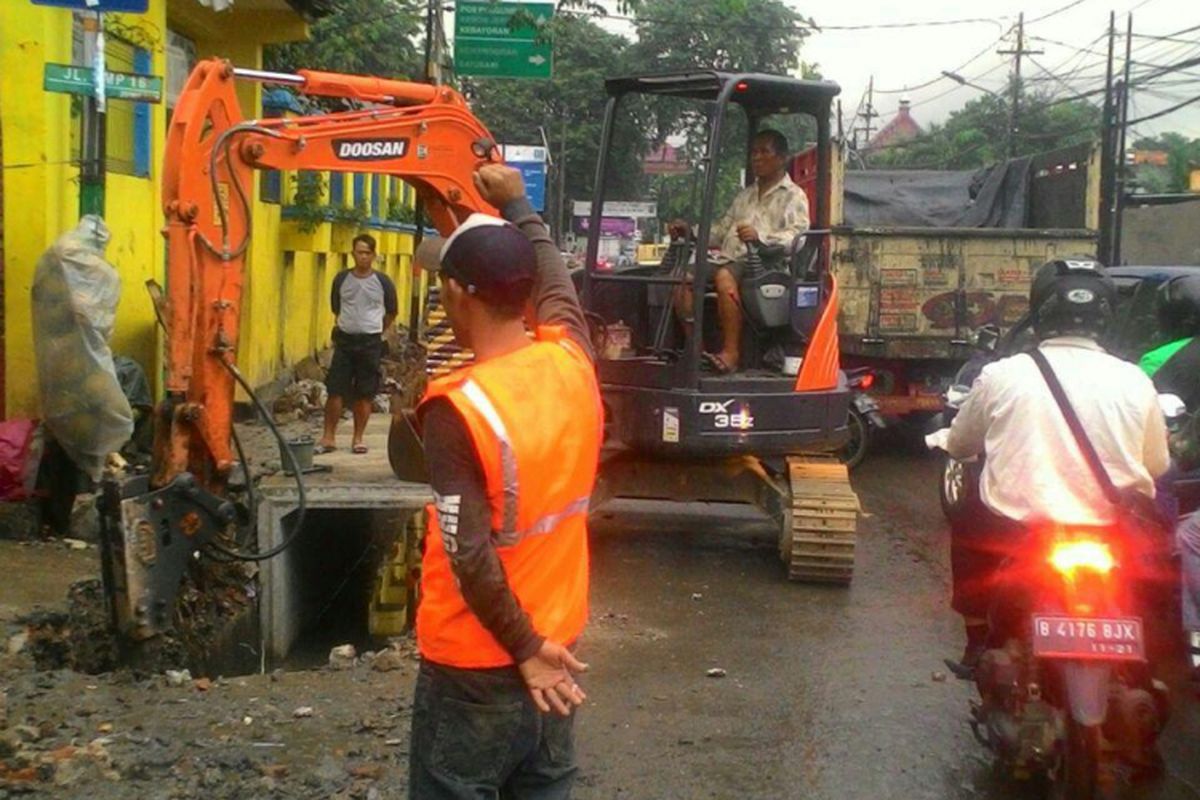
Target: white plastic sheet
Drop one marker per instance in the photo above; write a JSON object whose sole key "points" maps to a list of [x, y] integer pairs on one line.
{"points": [[75, 296]]}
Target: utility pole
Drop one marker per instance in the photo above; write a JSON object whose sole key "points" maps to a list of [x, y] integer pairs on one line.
{"points": [[1122, 168], [868, 114], [1107, 167], [94, 124], [433, 26], [561, 190], [1015, 96]]}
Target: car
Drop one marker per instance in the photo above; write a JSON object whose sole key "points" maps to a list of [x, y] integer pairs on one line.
{"points": [[1133, 333]]}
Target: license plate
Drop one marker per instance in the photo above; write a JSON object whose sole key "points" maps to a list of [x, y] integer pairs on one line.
{"points": [[1108, 639]]}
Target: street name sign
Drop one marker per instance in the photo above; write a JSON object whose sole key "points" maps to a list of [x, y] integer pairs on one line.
{"points": [[486, 45], [120, 6], [70, 79], [617, 208]]}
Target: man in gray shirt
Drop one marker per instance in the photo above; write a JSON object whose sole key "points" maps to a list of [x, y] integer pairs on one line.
{"points": [[364, 301]]}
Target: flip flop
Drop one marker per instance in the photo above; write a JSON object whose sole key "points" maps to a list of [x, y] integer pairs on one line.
{"points": [[359, 449], [717, 364], [322, 449]]}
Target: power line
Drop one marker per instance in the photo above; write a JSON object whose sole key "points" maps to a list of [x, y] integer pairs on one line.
{"points": [[1169, 36], [987, 49], [1058, 10], [813, 27], [1165, 111]]}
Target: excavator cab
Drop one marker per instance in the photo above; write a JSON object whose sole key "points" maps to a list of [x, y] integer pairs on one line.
{"points": [[765, 433]]}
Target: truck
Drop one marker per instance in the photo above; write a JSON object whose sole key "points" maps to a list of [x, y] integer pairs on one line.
{"points": [[917, 275]]}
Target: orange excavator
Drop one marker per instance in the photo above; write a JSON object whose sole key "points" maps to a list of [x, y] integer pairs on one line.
{"points": [[153, 524], [759, 436]]}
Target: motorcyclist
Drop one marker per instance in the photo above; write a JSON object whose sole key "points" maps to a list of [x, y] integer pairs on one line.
{"points": [[1034, 470], [1175, 366], [1175, 369]]}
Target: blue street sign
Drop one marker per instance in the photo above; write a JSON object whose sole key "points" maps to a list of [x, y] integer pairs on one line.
{"points": [[120, 6], [531, 161], [534, 174]]}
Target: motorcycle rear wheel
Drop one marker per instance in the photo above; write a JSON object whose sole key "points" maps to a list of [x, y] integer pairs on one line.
{"points": [[1077, 774], [855, 450]]}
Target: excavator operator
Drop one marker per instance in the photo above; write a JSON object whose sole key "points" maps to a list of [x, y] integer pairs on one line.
{"points": [[774, 211]]}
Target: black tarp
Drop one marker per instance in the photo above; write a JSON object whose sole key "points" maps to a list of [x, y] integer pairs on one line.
{"points": [[993, 197]]}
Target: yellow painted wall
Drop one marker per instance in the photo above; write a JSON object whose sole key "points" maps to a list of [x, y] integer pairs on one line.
{"points": [[41, 191], [286, 314]]}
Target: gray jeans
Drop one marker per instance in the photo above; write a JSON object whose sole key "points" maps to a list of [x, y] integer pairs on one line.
{"points": [[1188, 537], [476, 735]]}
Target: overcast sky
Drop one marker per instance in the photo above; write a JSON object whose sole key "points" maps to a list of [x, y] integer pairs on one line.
{"points": [[907, 61], [910, 57]]}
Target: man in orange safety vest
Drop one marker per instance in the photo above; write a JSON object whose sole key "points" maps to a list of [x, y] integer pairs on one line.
{"points": [[512, 444]]}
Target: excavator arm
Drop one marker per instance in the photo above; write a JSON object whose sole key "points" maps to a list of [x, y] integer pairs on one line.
{"points": [[424, 134], [152, 525]]}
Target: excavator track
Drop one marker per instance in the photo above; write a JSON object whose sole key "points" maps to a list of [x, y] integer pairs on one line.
{"points": [[820, 521]]}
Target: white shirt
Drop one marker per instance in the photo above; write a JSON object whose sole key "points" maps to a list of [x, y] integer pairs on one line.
{"points": [[362, 304], [1034, 469], [779, 214]]}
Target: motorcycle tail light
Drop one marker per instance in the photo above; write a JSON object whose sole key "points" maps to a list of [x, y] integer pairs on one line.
{"points": [[867, 381], [1081, 555]]}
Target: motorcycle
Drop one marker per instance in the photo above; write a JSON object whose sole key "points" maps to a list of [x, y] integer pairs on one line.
{"points": [[865, 419], [1066, 692]]}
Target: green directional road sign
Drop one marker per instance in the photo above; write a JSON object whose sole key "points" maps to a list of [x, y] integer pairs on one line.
{"points": [[491, 58], [68, 79], [490, 43]]}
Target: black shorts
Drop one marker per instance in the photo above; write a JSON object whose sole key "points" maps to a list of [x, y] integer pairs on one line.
{"points": [[354, 371]]}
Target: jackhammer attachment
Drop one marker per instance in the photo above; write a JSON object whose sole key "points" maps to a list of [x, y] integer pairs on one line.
{"points": [[146, 540]]}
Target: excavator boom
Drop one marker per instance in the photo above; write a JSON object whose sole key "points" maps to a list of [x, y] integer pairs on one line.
{"points": [[153, 524]]}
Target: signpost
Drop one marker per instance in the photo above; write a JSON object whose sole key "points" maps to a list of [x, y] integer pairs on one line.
{"points": [[75, 80], [488, 45], [531, 161]]}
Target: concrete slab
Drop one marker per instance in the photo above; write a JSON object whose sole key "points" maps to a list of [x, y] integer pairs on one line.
{"points": [[357, 481]]}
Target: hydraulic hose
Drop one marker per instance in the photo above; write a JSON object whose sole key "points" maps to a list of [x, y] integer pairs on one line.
{"points": [[290, 461]]}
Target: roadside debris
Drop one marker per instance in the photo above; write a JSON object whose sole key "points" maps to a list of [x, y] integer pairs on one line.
{"points": [[177, 677], [344, 656], [303, 712], [387, 660], [716, 672]]}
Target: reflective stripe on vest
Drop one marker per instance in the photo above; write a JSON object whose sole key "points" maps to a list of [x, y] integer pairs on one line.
{"points": [[508, 458], [509, 535], [549, 522]]}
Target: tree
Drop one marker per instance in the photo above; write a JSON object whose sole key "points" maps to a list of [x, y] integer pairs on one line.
{"points": [[977, 134], [364, 37], [1183, 155], [730, 35], [568, 109], [672, 35]]}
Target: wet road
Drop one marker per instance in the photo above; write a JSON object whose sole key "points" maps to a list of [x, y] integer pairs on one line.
{"points": [[829, 693]]}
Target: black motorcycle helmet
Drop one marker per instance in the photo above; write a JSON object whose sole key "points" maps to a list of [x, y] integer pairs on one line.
{"points": [[1071, 296], [1178, 302]]}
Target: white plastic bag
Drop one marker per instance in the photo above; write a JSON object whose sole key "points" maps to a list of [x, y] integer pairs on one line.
{"points": [[75, 296]]}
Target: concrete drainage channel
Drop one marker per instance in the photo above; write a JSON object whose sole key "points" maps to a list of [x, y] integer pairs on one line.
{"points": [[316, 593], [333, 571]]}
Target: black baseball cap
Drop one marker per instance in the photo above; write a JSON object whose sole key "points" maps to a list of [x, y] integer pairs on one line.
{"points": [[488, 256]]}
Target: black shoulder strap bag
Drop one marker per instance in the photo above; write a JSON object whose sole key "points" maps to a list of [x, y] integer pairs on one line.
{"points": [[1137, 512]]}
